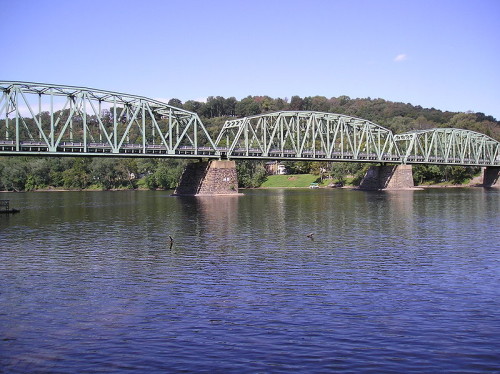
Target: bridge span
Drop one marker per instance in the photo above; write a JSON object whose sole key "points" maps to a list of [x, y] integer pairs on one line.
{"points": [[56, 120]]}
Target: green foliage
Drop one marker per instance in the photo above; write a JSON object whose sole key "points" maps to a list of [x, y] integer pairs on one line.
{"points": [[340, 171], [250, 173], [27, 174], [14, 173], [79, 175], [399, 117], [175, 102], [30, 183], [248, 107], [298, 167], [426, 173], [459, 174], [161, 173], [150, 182], [359, 174], [433, 174], [109, 174], [168, 173]]}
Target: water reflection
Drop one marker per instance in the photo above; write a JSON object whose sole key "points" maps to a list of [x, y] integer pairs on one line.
{"points": [[220, 214]]}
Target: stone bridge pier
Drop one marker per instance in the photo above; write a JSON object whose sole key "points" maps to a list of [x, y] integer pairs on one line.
{"points": [[208, 178], [400, 177], [388, 177], [491, 176]]}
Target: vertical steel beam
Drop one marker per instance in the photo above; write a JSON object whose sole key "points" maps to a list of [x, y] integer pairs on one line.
{"points": [[17, 121], [143, 127], [195, 135], [40, 114], [84, 119], [170, 129], [98, 115], [71, 110], [52, 130], [115, 128]]}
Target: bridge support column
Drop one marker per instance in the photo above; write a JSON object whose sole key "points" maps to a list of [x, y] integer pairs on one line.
{"points": [[388, 177], [491, 176], [208, 178]]}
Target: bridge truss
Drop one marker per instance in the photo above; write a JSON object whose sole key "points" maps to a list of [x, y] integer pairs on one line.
{"points": [[57, 120], [448, 146], [47, 119], [303, 135]]}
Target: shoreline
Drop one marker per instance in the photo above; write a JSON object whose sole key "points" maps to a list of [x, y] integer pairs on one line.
{"points": [[418, 187]]}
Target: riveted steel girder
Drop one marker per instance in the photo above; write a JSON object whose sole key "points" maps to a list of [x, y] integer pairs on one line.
{"points": [[448, 146], [306, 135], [54, 119]]}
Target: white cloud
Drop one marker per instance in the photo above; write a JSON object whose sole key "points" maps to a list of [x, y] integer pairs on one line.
{"points": [[401, 57]]}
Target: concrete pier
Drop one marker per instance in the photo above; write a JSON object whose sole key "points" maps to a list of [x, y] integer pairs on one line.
{"points": [[208, 179], [388, 177], [491, 176]]}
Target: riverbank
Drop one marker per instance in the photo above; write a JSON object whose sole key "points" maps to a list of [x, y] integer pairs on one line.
{"points": [[305, 181], [279, 181]]}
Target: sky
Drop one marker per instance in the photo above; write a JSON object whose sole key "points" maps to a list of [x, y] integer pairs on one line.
{"points": [[442, 54]]}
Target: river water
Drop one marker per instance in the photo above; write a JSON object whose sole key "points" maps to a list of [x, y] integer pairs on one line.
{"points": [[395, 282]]}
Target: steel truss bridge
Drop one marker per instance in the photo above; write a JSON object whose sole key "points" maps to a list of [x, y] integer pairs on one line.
{"points": [[55, 120]]}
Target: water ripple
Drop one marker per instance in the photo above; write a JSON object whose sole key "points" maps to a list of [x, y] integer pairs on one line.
{"points": [[400, 282]]}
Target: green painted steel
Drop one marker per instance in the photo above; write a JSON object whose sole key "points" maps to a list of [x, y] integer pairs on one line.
{"points": [[306, 135], [48, 119], [448, 146]]}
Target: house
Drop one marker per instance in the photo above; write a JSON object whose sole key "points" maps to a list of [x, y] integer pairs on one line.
{"points": [[275, 167]]}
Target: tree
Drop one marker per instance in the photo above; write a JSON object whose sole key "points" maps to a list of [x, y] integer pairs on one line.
{"points": [[427, 173], [109, 173], [79, 175], [175, 102], [340, 170], [320, 104], [230, 106], [247, 107], [14, 174], [460, 174], [194, 106], [296, 103], [250, 173], [166, 175], [38, 174]]}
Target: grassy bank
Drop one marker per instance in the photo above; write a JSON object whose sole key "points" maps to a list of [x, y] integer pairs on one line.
{"points": [[290, 181], [305, 180]]}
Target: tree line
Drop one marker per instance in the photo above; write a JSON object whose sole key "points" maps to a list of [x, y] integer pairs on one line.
{"points": [[34, 173], [396, 116], [78, 173]]}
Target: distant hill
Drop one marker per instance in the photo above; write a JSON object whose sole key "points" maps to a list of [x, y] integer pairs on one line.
{"points": [[399, 117]]}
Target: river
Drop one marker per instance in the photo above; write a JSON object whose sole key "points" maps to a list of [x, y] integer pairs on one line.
{"points": [[389, 282]]}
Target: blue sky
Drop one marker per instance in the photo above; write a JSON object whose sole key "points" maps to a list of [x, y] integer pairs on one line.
{"points": [[442, 54]]}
